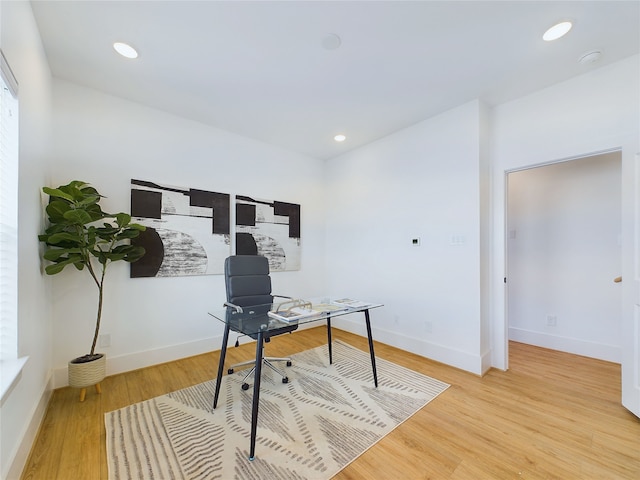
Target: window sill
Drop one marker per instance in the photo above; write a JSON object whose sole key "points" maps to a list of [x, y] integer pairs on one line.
{"points": [[9, 375]]}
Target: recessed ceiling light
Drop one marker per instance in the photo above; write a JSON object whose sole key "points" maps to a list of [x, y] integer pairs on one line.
{"points": [[557, 31], [125, 50], [340, 138]]}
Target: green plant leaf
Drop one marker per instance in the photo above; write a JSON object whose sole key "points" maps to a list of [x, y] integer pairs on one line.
{"points": [[124, 248], [79, 217], [56, 210], [107, 232], [95, 211], [79, 184], [89, 190], [57, 228], [128, 233], [64, 236], [54, 254], [103, 257], [59, 266], [135, 254], [123, 219], [114, 257], [74, 191], [89, 200], [54, 268], [58, 193], [90, 234]]}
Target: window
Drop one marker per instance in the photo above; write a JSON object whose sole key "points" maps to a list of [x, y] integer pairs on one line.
{"points": [[8, 227]]}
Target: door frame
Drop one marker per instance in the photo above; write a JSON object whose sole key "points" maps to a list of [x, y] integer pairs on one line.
{"points": [[506, 226], [629, 145]]}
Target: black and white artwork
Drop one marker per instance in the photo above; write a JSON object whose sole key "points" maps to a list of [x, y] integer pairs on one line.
{"points": [[270, 228], [188, 230]]}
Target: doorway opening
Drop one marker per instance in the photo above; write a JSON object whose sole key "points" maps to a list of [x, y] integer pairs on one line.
{"points": [[563, 252]]}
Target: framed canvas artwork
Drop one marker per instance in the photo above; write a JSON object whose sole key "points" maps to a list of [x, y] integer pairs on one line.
{"points": [[188, 230], [270, 228]]}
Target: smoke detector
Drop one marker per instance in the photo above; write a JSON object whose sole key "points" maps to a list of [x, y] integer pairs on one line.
{"points": [[589, 57]]}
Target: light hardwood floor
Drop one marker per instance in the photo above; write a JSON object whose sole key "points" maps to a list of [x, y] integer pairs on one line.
{"points": [[551, 416]]}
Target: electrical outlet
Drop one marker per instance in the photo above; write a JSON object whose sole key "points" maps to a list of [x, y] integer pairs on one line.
{"points": [[552, 320], [105, 340], [457, 240]]}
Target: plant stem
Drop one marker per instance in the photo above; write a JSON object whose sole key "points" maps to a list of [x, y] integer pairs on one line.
{"points": [[100, 285], [100, 296]]}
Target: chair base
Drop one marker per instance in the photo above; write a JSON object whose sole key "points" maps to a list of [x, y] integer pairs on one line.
{"points": [[265, 361]]}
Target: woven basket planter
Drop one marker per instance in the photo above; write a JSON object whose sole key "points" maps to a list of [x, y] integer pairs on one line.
{"points": [[82, 375]]}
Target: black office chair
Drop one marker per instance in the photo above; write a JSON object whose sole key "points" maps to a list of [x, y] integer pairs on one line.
{"points": [[248, 284]]}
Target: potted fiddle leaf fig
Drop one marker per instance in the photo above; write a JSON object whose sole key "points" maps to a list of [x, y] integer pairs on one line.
{"points": [[81, 234]]}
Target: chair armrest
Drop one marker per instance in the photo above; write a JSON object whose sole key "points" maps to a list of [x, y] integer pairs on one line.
{"points": [[282, 296], [236, 307]]}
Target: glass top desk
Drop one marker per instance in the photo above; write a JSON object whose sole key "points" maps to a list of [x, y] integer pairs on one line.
{"points": [[259, 320]]}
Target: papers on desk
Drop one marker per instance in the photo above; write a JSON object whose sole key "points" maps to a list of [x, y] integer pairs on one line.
{"points": [[298, 309], [328, 307], [292, 314], [292, 310], [349, 303]]}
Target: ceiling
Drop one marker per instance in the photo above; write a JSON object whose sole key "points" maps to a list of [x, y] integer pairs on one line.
{"points": [[262, 70]]}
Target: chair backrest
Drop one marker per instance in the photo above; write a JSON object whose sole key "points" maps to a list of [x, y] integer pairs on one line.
{"points": [[247, 280]]}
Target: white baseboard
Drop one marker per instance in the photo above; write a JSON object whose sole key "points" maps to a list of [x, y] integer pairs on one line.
{"points": [[440, 353], [20, 456], [148, 358], [609, 353], [469, 362], [485, 362], [134, 361]]}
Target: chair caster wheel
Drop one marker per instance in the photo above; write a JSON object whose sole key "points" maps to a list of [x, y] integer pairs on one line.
{"points": [[230, 371], [285, 380], [289, 363], [245, 386]]}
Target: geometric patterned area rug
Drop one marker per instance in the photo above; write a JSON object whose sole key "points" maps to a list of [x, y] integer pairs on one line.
{"points": [[310, 428]]}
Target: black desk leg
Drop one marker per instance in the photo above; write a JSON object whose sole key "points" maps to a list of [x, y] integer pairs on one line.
{"points": [[256, 393], [373, 355], [223, 354], [329, 341]]}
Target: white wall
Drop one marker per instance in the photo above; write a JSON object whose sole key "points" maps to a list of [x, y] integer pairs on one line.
{"points": [[427, 181], [564, 224], [23, 407], [423, 182], [596, 112], [107, 141]]}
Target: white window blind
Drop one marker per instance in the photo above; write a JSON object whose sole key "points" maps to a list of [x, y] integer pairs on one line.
{"points": [[8, 213]]}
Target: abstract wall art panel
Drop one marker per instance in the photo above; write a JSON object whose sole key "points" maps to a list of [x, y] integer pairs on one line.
{"points": [[269, 228], [188, 230]]}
